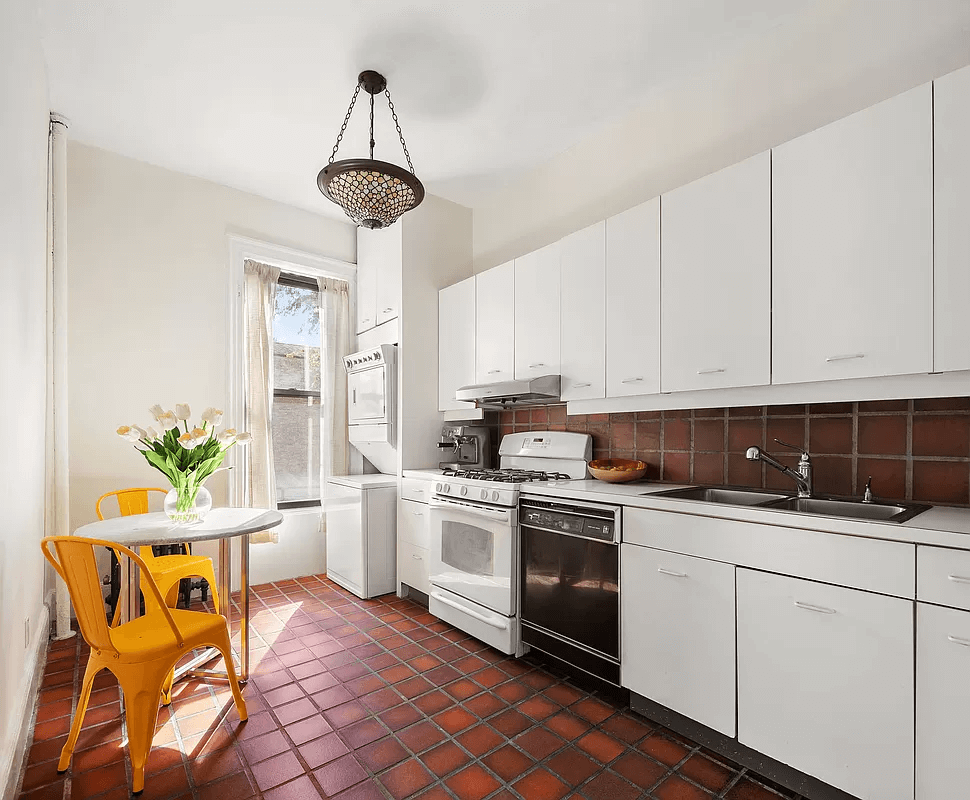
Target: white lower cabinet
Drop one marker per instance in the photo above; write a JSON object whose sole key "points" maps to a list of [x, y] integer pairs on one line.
{"points": [[942, 702], [678, 645], [826, 682], [414, 536]]}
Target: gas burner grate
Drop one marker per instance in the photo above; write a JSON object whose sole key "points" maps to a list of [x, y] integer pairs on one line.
{"points": [[506, 475]]}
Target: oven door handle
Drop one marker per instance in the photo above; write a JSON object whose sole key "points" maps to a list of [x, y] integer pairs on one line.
{"points": [[503, 625], [480, 512]]}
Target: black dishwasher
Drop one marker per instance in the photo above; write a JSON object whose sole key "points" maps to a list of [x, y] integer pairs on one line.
{"points": [[570, 583]]}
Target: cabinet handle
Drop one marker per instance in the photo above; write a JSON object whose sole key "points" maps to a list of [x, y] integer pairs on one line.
{"points": [[366, 319], [388, 310], [418, 513], [493, 371], [416, 558], [581, 385], [846, 357], [958, 579], [959, 640], [631, 380], [810, 607], [710, 371], [535, 366], [671, 572]]}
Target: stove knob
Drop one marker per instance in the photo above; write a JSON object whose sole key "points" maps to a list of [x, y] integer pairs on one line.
{"points": [[464, 490], [495, 496], [437, 487], [484, 494], [447, 488]]}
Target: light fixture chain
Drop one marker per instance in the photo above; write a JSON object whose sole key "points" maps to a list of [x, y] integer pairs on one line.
{"points": [[372, 127], [397, 124], [343, 127]]}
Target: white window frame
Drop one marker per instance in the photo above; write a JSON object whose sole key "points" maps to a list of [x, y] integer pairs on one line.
{"points": [[287, 259]]}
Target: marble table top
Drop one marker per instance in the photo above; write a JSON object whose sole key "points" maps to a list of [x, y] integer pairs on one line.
{"points": [[157, 528]]}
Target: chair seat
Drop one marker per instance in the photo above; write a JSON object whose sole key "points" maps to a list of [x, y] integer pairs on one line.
{"points": [[166, 565], [150, 636]]}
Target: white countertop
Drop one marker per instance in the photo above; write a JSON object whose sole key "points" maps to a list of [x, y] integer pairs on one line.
{"points": [[941, 526], [372, 481], [429, 474]]}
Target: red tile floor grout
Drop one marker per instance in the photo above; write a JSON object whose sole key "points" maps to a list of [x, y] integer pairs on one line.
{"points": [[359, 699]]}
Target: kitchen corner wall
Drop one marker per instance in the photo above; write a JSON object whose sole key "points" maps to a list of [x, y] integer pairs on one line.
{"points": [[916, 450]]}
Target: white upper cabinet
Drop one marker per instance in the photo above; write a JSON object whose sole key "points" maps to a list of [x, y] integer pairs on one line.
{"points": [[633, 301], [456, 342], [494, 324], [715, 271], [952, 220], [583, 313], [852, 245], [537, 313], [379, 275]]}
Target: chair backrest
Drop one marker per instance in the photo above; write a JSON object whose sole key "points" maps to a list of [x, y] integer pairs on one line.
{"points": [[131, 501], [76, 564]]}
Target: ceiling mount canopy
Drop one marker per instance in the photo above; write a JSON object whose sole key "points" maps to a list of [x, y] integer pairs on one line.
{"points": [[372, 193]]}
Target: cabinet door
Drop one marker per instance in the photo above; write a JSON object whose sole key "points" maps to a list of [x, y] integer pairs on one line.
{"points": [[942, 702], [385, 249], [583, 313], [456, 342], [852, 244], [677, 622], [633, 301], [494, 324], [413, 567], [825, 682], [715, 269], [951, 164], [537, 313], [366, 287]]}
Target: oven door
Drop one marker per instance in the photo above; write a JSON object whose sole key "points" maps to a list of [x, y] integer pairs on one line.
{"points": [[472, 553]]}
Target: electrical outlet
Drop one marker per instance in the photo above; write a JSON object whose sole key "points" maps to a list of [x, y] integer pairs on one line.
{"points": [[27, 633]]}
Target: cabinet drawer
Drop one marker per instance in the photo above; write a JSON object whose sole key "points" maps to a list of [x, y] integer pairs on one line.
{"points": [[869, 564], [414, 524], [943, 576], [413, 566], [416, 489]]}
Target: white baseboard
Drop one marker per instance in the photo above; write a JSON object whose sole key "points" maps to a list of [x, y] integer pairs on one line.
{"points": [[13, 751]]}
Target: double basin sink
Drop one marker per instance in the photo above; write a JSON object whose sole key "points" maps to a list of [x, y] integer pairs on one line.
{"points": [[822, 506]]}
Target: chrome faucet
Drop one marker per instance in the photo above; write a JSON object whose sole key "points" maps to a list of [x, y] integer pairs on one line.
{"points": [[802, 477]]}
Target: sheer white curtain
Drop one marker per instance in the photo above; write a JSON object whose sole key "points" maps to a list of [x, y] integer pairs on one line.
{"points": [[334, 345], [259, 299]]}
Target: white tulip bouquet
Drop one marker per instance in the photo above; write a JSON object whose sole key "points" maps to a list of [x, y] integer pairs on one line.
{"points": [[186, 458]]}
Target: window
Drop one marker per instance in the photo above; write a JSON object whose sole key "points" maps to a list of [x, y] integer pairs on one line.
{"points": [[297, 404]]}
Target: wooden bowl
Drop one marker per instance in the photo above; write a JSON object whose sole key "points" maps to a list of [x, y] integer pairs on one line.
{"points": [[617, 470]]}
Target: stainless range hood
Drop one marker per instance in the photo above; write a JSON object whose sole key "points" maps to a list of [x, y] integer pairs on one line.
{"points": [[513, 394]]}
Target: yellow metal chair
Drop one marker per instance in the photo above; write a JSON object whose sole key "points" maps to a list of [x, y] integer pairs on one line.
{"points": [[141, 654], [166, 570]]}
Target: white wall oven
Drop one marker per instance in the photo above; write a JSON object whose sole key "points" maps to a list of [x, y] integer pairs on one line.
{"points": [[372, 404]]}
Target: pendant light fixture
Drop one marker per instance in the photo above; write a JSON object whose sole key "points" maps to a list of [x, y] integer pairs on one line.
{"points": [[372, 193]]}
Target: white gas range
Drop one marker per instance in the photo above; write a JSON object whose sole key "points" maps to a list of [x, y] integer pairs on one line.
{"points": [[474, 522]]}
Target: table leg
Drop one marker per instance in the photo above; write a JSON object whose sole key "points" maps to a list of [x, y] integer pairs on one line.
{"points": [[131, 587], [244, 610]]}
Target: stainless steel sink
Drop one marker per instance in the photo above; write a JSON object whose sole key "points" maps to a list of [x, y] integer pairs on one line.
{"points": [[728, 496], [850, 509]]}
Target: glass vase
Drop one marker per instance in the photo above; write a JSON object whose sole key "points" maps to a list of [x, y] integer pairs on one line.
{"points": [[190, 506]]}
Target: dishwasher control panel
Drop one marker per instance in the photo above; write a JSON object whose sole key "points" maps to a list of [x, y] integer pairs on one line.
{"points": [[589, 522]]}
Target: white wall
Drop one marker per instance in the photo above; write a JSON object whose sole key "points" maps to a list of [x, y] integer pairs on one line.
{"points": [[781, 86], [24, 119], [149, 282]]}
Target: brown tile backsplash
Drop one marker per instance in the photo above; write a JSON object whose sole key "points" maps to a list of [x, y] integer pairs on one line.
{"points": [[915, 450]]}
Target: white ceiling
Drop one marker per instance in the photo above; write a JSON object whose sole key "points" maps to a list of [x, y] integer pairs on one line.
{"points": [[251, 94]]}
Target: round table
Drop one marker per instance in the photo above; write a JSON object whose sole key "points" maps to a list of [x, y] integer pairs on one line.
{"points": [[222, 524]]}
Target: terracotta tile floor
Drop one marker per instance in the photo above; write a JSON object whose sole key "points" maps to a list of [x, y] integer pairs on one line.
{"points": [[359, 699]]}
